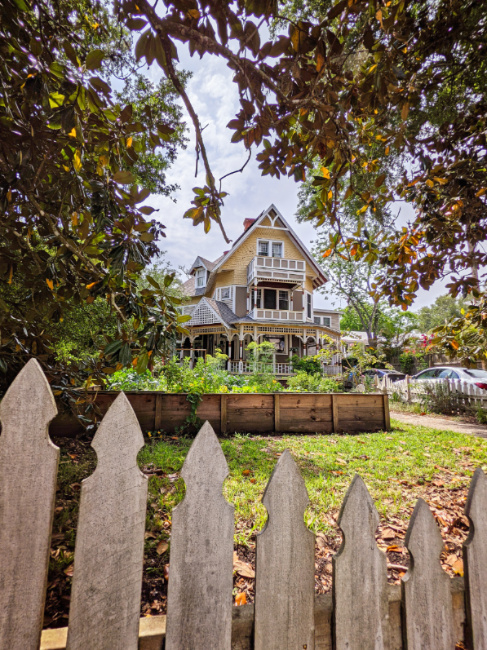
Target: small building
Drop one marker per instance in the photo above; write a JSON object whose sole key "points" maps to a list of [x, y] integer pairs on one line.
{"points": [[262, 289]]}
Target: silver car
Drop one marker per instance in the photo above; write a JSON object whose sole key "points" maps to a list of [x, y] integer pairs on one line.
{"points": [[470, 375]]}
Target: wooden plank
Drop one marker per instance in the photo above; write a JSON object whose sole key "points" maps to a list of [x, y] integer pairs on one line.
{"points": [[301, 401], [199, 607], [277, 414], [249, 401], [334, 410], [387, 414], [108, 560], [475, 561], [28, 471], [426, 587], [284, 591], [356, 399], [223, 413], [361, 607], [158, 421]]}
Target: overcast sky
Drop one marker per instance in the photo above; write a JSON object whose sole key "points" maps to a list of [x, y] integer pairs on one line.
{"points": [[215, 99]]}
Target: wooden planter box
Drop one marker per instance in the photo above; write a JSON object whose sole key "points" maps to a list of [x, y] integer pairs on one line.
{"points": [[249, 413]]}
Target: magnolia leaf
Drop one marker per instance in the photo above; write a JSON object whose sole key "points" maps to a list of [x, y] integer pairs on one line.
{"points": [[94, 59]]}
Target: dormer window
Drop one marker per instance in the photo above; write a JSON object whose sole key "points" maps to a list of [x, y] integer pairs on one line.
{"points": [[200, 278]]}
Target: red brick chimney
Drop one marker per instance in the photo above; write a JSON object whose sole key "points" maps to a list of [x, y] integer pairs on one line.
{"points": [[247, 223]]}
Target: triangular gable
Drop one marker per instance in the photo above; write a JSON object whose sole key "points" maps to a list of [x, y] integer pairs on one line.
{"points": [[204, 314], [200, 262], [275, 216]]}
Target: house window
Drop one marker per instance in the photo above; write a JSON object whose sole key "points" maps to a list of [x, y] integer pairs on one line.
{"points": [[263, 248], [276, 249], [269, 299], [326, 321], [200, 278], [308, 304], [270, 248], [225, 293], [284, 300], [317, 320], [256, 298]]}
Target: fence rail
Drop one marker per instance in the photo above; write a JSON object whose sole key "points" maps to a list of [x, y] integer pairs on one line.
{"points": [[464, 394], [108, 560]]}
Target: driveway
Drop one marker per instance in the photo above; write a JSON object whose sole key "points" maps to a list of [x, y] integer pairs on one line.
{"points": [[443, 424]]}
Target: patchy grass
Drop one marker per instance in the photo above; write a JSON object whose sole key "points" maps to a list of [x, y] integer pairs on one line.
{"points": [[397, 467], [392, 465]]}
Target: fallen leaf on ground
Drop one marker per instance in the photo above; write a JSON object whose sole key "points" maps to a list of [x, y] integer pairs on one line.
{"points": [[240, 599], [69, 571], [243, 569], [458, 567], [162, 547], [388, 533]]}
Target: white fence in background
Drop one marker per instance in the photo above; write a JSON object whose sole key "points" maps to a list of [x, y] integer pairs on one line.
{"points": [[249, 367], [465, 394]]}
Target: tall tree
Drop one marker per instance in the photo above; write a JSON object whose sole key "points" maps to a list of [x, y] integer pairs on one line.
{"points": [[75, 168]]}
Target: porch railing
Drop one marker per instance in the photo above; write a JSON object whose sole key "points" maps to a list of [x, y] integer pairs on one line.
{"points": [[248, 367]]}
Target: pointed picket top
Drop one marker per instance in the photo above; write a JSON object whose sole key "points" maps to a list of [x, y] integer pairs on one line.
{"points": [[199, 602], [361, 611], [28, 403], [205, 463], [286, 480], [108, 559], [475, 562], [284, 590], [358, 511], [28, 471], [119, 438], [427, 591]]}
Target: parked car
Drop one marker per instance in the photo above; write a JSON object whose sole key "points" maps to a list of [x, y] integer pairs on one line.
{"points": [[393, 375], [470, 375]]}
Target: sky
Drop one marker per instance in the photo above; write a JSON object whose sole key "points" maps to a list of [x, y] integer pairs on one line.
{"points": [[215, 100]]}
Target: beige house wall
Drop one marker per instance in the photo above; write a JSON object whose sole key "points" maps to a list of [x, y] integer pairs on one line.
{"points": [[240, 259]]}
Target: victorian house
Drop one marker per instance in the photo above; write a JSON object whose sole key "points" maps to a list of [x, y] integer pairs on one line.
{"points": [[260, 290]]}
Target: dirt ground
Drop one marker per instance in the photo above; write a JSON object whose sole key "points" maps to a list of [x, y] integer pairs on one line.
{"points": [[442, 422]]}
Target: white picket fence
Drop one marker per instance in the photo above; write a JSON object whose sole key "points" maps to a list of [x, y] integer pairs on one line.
{"points": [[463, 393], [105, 602]]}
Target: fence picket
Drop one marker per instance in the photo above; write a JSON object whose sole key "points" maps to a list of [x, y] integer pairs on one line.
{"points": [[105, 602], [28, 471], [361, 609], [284, 595], [426, 587], [475, 562], [199, 608]]}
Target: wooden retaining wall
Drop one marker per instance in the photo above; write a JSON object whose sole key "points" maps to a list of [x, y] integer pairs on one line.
{"points": [[248, 413]]}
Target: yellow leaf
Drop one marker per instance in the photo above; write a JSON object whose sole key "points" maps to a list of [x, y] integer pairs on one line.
{"points": [[328, 252], [72, 133], [362, 209], [325, 171], [77, 160], [129, 141], [441, 181], [194, 13], [454, 345], [10, 275], [103, 160], [320, 62], [482, 191], [430, 183], [378, 15], [50, 284], [458, 567], [241, 599], [330, 194], [74, 218], [373, 67], [387, 150], [91, 285], [162, 548]]}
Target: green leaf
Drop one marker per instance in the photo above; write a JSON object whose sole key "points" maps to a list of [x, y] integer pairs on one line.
{"points": [[94, 59]]}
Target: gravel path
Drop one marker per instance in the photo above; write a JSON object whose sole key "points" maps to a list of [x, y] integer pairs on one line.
{"points": [[443, 424]]}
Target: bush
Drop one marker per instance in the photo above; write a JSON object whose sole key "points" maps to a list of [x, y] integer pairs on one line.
{"points": [[309, 365], [438, 398]]}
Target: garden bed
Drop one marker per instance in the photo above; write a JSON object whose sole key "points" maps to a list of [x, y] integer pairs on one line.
{"points": [[397, 467], [230, 413]]}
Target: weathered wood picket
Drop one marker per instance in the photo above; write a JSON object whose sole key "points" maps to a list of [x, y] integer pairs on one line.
{"points": [[110, 540]]}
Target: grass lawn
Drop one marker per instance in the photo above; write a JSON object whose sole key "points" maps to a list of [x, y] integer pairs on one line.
{"points": [[397, 467]]}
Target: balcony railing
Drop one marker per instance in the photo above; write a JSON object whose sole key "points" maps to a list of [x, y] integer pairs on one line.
{"points": [[249, 367], [276, 269], [277, 314]]}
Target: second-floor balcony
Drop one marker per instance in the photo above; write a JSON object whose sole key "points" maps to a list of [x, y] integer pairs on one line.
{"points": [[277, 314], [276, 269]]}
